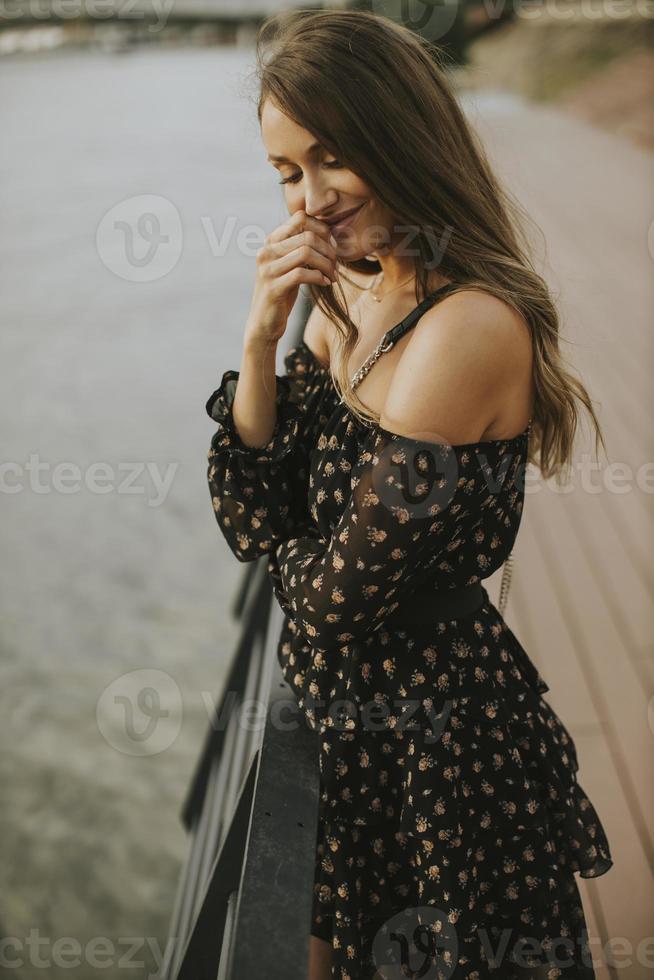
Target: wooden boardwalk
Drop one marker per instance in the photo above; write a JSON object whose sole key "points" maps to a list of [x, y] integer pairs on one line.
{"points": [[583, 583]]}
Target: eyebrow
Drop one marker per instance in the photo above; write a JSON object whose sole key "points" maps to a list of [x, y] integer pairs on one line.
{"points": [[277, 159]]}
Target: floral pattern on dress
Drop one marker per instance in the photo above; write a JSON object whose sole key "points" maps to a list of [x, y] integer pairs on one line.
{"points": [[447, 780]]}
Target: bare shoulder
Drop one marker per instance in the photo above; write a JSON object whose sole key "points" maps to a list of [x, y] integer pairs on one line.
{"points": [[466, 356], [319, 329], [481, 324]]}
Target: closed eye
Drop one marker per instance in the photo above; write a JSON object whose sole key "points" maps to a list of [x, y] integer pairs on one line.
{"points": [[294, 178]]}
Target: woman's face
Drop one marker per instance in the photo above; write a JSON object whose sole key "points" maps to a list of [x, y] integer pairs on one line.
{"points": [[314, 181]]}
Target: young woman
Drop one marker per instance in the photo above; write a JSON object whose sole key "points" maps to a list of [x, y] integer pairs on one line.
{"points": [[383, 477]]}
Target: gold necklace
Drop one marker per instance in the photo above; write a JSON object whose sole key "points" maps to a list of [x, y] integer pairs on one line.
{"points": [[378, 299]]}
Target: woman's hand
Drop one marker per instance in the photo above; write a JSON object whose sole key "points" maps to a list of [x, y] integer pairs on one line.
{"points": [[300, 250]]}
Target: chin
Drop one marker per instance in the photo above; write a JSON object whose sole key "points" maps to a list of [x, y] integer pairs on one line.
{"points": [[353, 253], [353, 248]]}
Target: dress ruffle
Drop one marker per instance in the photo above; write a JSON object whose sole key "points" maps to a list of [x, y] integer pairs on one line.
{"points": [[507, 862], [403, 882], [287, 425], [300, 393], [488, 820]]}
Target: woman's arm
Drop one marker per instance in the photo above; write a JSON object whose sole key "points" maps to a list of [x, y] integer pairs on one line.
{"points": [[255, 400], [260, 493], [258, 459]]}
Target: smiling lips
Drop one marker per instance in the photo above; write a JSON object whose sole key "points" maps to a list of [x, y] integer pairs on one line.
{"points": [[341, 225]]}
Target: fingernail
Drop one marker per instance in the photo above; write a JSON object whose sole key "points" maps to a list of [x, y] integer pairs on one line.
{"points": [[333, 241]]}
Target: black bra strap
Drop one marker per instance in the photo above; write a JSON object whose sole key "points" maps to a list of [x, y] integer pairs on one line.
{"points": [[412, 318]]}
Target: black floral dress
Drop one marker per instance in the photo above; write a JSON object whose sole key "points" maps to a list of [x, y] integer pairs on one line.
{"points": [[451, 820]]}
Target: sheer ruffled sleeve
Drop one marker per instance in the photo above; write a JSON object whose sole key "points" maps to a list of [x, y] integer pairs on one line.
{"points": [[406, 511], [259, 494]]}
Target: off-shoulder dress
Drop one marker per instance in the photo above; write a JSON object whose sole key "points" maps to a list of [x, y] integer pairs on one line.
{"points": [[452, 825]]}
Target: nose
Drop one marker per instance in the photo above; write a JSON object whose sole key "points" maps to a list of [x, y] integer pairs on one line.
{"points": [[318, 197]]}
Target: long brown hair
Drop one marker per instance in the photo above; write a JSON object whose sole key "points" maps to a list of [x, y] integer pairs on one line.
{"points": [[377, 96]]}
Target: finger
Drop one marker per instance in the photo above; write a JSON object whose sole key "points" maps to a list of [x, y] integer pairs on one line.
{"points": [[305, 237], [298, 222], [304, 255], [300, 274]]}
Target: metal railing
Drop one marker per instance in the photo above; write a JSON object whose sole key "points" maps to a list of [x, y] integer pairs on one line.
{"points": [[246, 887], [244, 895]]}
